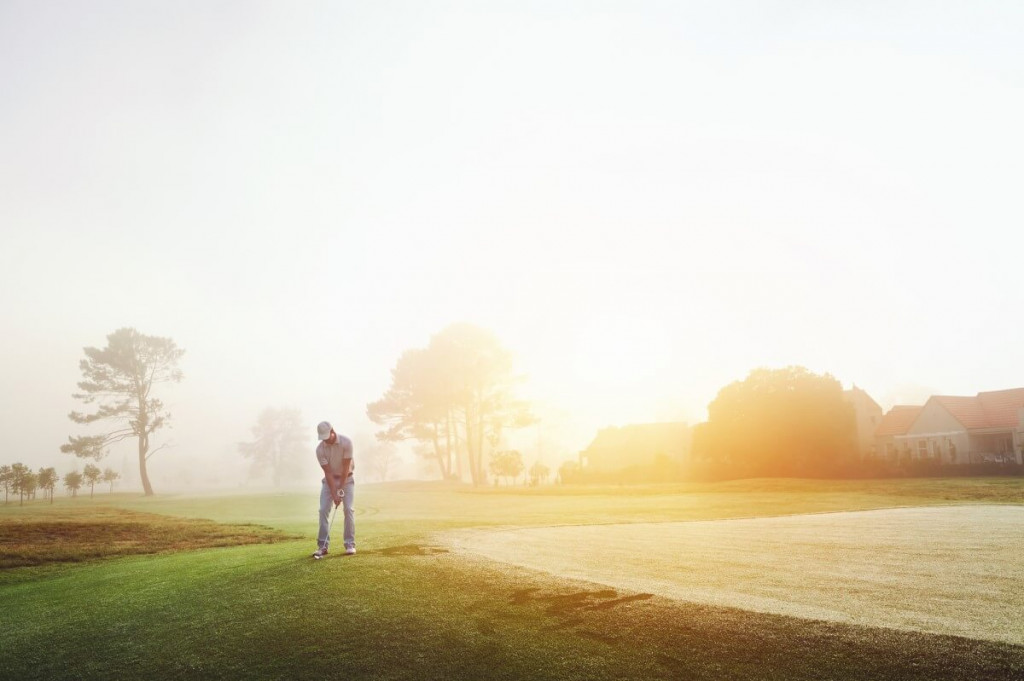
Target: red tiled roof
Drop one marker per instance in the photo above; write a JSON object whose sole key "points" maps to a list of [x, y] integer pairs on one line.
{"points": [[897, 421], [995, 409], [1001, 407], [967, 410]]}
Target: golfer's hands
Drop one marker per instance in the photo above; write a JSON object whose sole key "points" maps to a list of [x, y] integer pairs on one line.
{"points": [[338, 497]]}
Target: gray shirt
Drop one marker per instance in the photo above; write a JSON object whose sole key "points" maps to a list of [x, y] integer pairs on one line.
{"points": [[333, 455]]}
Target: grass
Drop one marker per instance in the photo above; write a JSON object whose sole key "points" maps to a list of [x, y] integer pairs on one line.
{"points": [[407, 608]]}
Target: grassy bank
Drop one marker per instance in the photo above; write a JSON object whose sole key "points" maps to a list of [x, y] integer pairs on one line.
{"points": [[77, 533]]}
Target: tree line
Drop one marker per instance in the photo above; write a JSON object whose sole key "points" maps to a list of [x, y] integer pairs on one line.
{"points": [[456, 398], [785, 422], [18, 479], [778, 422], [281, 449], [119, 383], [508, 464]]}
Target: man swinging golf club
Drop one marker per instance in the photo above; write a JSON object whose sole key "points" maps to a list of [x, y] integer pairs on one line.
{"points": [[334, 453]]}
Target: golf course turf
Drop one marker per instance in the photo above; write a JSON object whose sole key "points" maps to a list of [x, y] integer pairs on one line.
{"points": [[409, 606]]}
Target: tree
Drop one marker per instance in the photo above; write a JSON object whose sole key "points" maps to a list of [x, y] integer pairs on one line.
{"points": [[120, 379], [29, 484], [19, 471], [418, 406], [569, 472], [779, 422], [380, 457], [7, 480], [279, 445], [110, 475], [92, 475], [47, 481], [73, 482], [507, 463], [456, 395], [483, 389], [539, 473]]}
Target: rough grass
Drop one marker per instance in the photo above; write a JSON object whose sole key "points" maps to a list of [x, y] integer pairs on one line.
{"points": [[403, 608], [69, 534]]}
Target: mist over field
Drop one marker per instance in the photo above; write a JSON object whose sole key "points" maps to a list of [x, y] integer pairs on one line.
{"points": [[642, 201]]}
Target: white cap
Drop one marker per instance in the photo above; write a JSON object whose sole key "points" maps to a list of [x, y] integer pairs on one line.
{"points": [[323, 430]]}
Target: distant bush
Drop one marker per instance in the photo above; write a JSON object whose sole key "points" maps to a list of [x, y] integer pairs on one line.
{"points": [[663, 469], [927, 469], [709, 470]]}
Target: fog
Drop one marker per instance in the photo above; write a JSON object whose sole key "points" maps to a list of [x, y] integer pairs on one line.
{"points": [[643, 200]]}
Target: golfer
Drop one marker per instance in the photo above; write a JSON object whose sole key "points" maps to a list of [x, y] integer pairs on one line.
{"points": [[334, 453]]}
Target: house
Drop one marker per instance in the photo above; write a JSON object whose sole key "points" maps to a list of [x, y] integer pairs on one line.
{"points": [[868, 417], [644, 444], [895, 424], [953, 429]]}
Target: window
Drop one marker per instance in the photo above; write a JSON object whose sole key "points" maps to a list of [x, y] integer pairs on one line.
{"points": [[922, 449]]}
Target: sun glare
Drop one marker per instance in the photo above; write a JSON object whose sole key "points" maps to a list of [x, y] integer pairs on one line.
{"points": [[620, 352]]}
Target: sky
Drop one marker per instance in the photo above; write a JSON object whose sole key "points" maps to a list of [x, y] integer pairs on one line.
{"points": [[644, 200]]}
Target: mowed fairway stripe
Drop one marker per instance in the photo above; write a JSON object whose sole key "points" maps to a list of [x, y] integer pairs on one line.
{"points": [[949, 570]]}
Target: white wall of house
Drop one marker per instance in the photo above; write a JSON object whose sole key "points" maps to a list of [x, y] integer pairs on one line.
{"points": [[934, 418], [947, 447], [936, 434]]}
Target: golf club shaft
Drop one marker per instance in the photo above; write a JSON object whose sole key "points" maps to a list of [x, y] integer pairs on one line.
{"points": [[330, 528]]}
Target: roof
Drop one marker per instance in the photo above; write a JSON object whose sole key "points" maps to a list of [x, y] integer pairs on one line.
{"points": [[967, 410], [898, 420], [994, 409], [1002, 407]]}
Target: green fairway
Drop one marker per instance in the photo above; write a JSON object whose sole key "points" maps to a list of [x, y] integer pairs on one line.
{"points": [[406, 607]]}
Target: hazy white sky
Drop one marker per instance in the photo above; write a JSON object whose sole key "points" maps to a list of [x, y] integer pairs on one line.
{"points": [[644, 200]]}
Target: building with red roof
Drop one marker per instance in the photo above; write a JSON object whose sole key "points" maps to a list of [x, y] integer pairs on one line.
{"points": [[954, 429], [890, 436]]}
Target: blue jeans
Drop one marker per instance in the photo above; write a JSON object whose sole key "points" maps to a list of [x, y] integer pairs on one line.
{"points": [[323, 538]]}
